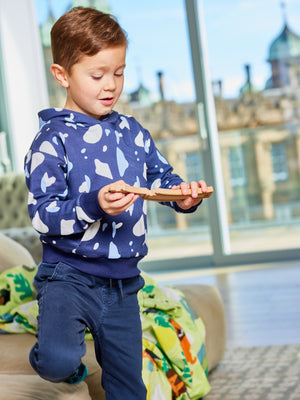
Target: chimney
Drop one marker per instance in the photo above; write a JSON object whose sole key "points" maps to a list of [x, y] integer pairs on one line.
{"points": [[161, 85], [218, 88], [220, 85], [248, 75]]}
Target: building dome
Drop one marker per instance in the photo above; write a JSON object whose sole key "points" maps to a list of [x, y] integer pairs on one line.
{"points": [[286, 45]]}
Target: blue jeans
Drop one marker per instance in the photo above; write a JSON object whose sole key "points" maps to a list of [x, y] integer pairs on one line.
{"points": [[70, 300]]}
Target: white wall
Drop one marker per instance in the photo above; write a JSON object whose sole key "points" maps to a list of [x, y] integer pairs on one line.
{"points": [[24, 74]]}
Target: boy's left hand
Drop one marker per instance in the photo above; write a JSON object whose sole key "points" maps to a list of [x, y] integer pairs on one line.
{"points": [[192, 200]]}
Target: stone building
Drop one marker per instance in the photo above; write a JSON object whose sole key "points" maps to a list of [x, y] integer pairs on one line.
{"points": [[260, 138]]}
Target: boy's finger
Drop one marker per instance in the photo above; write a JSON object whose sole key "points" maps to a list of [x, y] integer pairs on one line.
{"points": [[203, 185], [184, 187]]}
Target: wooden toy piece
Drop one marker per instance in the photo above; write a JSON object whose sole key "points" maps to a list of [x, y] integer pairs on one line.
{"points": [[158, 194]]}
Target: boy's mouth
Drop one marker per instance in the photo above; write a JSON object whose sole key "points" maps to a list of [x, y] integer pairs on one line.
{"points": [[107, 101]]}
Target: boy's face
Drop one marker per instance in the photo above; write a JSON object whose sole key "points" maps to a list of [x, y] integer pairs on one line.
{"points": [[96, 82]]}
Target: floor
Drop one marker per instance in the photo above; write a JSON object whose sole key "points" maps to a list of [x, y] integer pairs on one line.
{"points": [[262, 301], [196, 241]]}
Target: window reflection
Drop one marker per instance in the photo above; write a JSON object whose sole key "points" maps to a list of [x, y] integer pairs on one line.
{"points": [[279, 162], [237, 167], [259, 135]]}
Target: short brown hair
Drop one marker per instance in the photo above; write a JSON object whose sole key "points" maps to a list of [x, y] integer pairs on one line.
{"points": [[83, 31]]}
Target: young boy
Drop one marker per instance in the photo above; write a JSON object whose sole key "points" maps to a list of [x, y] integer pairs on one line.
{"points": [[92, 239]]}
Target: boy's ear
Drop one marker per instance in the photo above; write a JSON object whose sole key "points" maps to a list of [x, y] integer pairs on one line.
{"points": [[60, 75]]}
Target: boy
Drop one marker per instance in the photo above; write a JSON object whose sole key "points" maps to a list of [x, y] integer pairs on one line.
{"points": [[92, 239]]}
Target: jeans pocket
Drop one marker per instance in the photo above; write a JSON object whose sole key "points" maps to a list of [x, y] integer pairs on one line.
{"points": [[133, 285], [45, 273]]}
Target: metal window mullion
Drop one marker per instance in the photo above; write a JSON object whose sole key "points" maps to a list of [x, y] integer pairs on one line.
{"points": [[208, 131]]}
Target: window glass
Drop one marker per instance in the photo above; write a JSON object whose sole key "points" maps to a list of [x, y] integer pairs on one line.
{"points": [[255, 82], [279, 162], [6, 163], [237, 166]]}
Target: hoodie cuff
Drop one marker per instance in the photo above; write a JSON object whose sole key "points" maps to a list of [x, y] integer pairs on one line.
{"points": [[90, 205], [188, 211]]}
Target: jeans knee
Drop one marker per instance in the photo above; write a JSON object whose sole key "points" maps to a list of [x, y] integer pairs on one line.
{"points": [[54, 366]]}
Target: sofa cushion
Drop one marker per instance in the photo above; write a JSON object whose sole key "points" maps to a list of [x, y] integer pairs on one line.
{"points": [[29, 387], [12, 254]]}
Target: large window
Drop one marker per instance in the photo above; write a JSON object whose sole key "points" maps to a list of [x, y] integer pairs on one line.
{"points": [[233, 123], [255, 86]]}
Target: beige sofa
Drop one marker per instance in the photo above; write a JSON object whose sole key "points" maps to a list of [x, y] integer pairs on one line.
{"points": [[19, 381]]}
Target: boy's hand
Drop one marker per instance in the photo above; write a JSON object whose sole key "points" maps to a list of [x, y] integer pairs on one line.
{"points": [[192, 200], [115, 203]]}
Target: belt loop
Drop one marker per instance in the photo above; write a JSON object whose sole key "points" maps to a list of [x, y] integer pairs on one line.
{"points": [[110, 283]]}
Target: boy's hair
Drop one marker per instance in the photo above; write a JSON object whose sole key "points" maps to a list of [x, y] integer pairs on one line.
{"points": [[83, 31]]}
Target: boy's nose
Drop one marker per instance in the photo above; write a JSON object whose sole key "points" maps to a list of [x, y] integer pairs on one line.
{"points": [[110, 83]]}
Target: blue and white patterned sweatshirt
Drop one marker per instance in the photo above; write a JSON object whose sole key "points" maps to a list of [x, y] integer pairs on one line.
{"points": [[71, 158]]}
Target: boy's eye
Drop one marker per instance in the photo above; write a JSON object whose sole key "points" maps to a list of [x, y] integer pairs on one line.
{"points": [[119, 73], [97, 77]]}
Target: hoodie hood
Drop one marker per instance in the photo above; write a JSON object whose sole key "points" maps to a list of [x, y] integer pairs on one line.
{"points": [[74, 118]]}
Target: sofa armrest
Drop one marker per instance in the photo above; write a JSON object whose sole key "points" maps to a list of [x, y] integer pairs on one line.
{"points": [[207, 303]]}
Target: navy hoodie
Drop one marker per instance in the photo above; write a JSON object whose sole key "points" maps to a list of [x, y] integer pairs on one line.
{"points": [[71, 158]]}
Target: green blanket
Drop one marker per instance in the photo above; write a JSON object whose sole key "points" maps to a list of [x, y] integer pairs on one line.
{"points": [[174, 356]]}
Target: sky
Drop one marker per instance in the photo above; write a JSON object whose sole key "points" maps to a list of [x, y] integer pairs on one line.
{"points": [[238, 32]]}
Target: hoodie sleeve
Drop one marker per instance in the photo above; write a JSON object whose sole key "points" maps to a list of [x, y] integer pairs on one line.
{"points": [[160, 174], [52, 209]]}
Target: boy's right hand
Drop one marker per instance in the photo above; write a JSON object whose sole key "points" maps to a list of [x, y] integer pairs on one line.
{"points": [[117, 202]]}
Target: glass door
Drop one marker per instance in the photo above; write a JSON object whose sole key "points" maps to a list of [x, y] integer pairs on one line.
{"points": [[254, 125]]}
